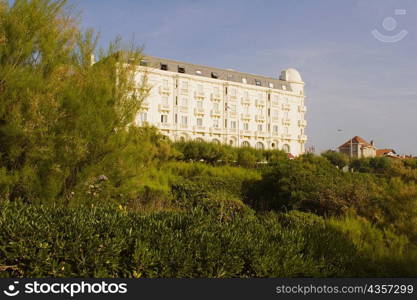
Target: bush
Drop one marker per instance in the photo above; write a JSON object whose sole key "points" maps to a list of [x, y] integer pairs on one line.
{"points": [[313, 184], [338, 159], [385, 253], [39, 241], [377, 165], [227, 179], [217, 154]]}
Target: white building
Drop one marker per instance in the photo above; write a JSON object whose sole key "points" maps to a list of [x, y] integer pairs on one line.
{"points": [[194, 102]]}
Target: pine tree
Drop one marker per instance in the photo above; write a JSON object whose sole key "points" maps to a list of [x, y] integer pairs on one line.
{"points": [[63, 119]]}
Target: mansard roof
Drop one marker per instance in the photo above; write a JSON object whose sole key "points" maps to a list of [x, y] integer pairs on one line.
{"points": [[216, 73]]}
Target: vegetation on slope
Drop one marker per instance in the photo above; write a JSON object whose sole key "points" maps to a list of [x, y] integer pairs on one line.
{"points": [[85, 193]]}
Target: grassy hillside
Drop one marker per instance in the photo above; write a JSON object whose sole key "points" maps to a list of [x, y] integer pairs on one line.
{"points": [[193, 218]]}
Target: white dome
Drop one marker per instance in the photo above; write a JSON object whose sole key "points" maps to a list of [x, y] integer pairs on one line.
{"points": [[291, 75]]}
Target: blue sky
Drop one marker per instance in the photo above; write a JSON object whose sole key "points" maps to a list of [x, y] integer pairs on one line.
{"points": [[354, 82]]}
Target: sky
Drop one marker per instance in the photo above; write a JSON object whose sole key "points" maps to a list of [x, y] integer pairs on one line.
{"points": [[356, 82]]}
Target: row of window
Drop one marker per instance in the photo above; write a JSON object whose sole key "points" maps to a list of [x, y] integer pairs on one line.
{"points": [[185, 101], [232, 91], [215, 75], [216, 124], [216, 106]]}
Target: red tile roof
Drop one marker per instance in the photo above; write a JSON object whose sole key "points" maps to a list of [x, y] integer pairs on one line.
{"points": [[382, 152], [356, 140]]}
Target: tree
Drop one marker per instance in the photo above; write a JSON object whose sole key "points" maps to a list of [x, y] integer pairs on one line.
{"points": [[63, 120], [245, 158], [311, 183], [338, 159]]}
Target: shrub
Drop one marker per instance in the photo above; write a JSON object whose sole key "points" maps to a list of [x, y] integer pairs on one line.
{"points": [[338, 159], [313, 184], [385, 253], [39, 241]]}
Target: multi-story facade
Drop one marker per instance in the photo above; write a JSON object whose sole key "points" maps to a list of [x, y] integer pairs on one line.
{"points": [[194, 102]]}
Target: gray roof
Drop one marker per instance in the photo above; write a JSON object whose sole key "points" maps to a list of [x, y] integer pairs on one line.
{"points": [[222, 74]]}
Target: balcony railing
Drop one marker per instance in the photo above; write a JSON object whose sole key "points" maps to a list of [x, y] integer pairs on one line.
{"points": [[302, 108], [183, 109], [260, 102], [286, 136], [246, 101], [245, 116], [275, 103], [260, 118], [182, 125], [199, 111], [302, 137], [164, 125], [246, 132], [199, 128], [286, 122], [302, 123], [145, 104], [286, 107], [164, 107], [199, 95], [216, 130], [216, 97], [232, 114], [262, 134], [232, 130], [184, 91], [164, 90], [216, 113], [232, 98], [275, 134]]}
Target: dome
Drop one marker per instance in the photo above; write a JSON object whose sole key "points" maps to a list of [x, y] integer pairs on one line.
{"points": [[291, 75]]}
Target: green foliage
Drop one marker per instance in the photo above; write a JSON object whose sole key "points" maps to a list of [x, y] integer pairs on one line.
{"points": [[399, 206], [63, 121], [217, 154], [39, 241], [411, 163], [308, 183], [208, 152], [247, 158], [378, 165], [118, 200], [385, 195], [226, 178], [386, 253], [336, 158]]}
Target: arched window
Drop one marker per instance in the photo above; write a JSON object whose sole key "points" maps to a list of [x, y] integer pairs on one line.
{"points": [[245, 144], [231, 142], [259, 146], [216, 141], [273, 145], [286, 148], [200, 140], [182, 139]]}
